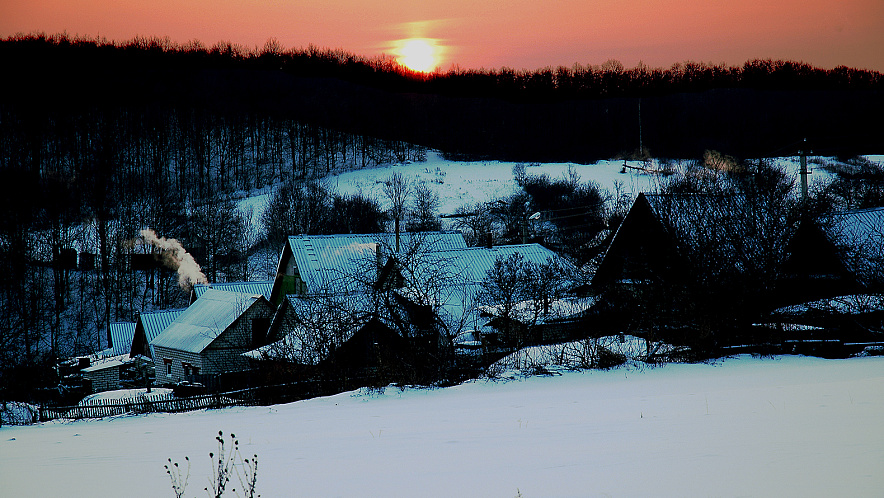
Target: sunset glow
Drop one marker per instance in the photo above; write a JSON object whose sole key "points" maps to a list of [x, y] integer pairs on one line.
{"points": [[417, 54], [521, 34]]}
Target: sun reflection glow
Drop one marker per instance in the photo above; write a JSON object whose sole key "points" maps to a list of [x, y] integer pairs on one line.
{"points": [[417, 54]]}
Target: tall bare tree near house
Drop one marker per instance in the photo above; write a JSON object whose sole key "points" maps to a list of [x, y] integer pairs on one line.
{"points": [[397, 190], [423, 216], [519, 293]]}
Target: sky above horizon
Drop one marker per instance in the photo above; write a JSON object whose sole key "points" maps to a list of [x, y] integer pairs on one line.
{"points": [[491, 34]]}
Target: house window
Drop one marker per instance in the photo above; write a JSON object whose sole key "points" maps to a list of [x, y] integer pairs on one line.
{"points": [[189, 369], [168, 363]]}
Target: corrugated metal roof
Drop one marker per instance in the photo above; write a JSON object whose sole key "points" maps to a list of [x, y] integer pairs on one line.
{"points": [[121, 334], [154, 322], [332, 262], [471, 265], [859, 227], [859, 235], [205, 320], [264, 288]]}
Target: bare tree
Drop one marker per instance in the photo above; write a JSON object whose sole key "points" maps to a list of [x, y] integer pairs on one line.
{"points": [[423, 216], [397, 190]]}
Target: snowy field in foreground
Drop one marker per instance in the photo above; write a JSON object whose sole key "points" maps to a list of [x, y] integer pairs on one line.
{"points": [[787, 426]]}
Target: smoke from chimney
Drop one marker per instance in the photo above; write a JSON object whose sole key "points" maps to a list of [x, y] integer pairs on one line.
{"points": [[177, 258]]}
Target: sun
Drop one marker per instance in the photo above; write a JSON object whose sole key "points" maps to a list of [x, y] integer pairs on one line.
{"points": [[417, 54]]}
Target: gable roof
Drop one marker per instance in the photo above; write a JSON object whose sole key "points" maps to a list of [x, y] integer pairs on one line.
{"points": [[673, 233], [263, 288], [330, 262], [154, 322], [299, 315], [205, 320]]}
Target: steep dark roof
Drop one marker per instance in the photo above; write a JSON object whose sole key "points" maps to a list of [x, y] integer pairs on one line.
{"points": [[679, 235]]}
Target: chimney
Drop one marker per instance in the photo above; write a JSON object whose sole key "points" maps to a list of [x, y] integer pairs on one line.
{"points": [[488, 241]]}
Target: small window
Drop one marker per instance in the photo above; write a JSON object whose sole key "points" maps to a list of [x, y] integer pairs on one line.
{"points": [[168, 362]]}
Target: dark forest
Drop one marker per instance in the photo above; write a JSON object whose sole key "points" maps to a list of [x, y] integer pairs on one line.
{"points": [[99, 140]]}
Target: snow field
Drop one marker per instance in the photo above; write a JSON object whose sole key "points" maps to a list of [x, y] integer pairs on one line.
{"points": [[786, 426]]}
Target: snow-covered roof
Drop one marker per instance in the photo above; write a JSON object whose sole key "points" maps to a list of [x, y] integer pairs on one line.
{"points": [[264, 288], [460, 273], [113, 362], [333, 261], [714, 221], [850, 304], [471, 265], [338, 316], [205, 319]]}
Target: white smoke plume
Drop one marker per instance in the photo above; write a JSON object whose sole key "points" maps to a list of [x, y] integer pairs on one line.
{"points": [[177, 258]]}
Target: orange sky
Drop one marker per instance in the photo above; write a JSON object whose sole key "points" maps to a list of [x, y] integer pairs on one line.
{"points": [[522, 34]]}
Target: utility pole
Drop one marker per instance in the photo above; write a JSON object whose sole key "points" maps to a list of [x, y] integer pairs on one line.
{"points": [[803, 171]]}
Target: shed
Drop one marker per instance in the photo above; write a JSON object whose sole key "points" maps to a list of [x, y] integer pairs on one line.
{"points": [[104, 375]]}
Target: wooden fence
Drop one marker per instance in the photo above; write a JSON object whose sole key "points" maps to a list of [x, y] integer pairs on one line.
{"points": [[146, 404], [163, 403]]}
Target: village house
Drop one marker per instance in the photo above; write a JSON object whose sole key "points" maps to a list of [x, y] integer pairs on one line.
{"points": [[694, 269], [683, 238], [427, 292], [335, 264], [210, 336], [836, 254], [832, 284]]}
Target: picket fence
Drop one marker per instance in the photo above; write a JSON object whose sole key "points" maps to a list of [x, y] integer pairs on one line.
{"points": [[148, 403], [163, 403]]}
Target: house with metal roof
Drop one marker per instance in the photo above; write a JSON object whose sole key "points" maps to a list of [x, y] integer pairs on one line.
{"points": [[340, 264], [426, 291], [209, 337], [149, 325]]}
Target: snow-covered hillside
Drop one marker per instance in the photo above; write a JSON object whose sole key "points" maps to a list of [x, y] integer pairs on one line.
{"points": [[467, 183], [786, 426]]}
